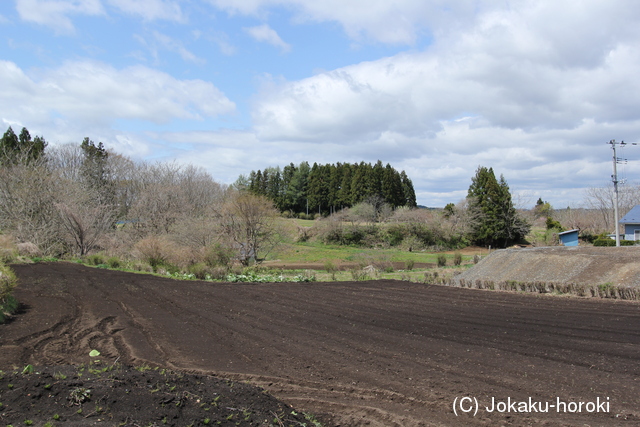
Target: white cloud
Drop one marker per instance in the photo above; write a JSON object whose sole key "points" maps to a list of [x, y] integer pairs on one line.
{"points": [[533, 90], [264, 33], [151, 10], [54, 13], [397, 22], [173, 45], [87, 93]]}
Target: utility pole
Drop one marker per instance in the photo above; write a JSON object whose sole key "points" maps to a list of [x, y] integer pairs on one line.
{"points": [[614, 178]]}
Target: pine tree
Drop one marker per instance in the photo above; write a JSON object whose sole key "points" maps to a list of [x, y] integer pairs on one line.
{"points": [[20, 149], [95, 170], [495, 220], [408, 191]]}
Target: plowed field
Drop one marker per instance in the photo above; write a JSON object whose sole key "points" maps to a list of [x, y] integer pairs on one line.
{"points": [[380, 353]]}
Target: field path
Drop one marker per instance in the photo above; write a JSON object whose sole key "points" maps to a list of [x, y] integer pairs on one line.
{"points": [[380, 353]]}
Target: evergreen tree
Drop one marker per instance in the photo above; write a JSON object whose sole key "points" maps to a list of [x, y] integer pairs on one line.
{"points": [[318, 188], [408, 191], [392, 189], [95, 170], [495, 220], [252, 182], [330, 187], [343, 198], [287, 175], [9, 146], [335, 181], [297, 191], [20, 149]]}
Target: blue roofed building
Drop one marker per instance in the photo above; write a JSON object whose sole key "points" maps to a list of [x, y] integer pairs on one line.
{"points": [[569, 238], [631, 223]]}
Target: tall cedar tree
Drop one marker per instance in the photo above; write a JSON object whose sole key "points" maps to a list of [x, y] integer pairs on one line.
{"points": [[494, 219], [16, 149], [328, 188]]}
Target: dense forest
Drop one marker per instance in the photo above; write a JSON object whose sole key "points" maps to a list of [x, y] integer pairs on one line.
{"points": [[327, 188]]}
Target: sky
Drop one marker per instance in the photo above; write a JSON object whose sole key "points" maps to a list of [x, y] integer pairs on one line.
{"points": [[533, 89]]}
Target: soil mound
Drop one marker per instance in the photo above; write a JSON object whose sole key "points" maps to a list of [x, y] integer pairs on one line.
{"points": [[581, 265], [110, 394]]}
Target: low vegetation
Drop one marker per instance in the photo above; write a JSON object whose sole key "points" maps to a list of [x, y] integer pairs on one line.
{"points": [[605, 290], [8, 303]]}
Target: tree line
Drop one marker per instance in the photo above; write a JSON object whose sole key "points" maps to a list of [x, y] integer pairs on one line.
{"points": [[327, 188], [80, 197]]}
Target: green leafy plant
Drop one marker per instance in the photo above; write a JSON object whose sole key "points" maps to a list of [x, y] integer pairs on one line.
{"points": [[114, 262], [441, 260], [79, 395]]}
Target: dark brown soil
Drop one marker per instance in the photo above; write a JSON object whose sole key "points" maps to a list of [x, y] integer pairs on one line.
{"points": [[383, 353], [109, 394]]}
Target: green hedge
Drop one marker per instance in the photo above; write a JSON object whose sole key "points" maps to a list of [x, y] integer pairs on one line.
{"points": [[611, 242]]}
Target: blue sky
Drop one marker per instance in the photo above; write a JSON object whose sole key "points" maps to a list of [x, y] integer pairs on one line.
{"points": [[434, 87]]}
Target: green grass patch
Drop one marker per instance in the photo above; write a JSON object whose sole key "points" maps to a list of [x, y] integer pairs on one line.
{"points": [[317, 252]]}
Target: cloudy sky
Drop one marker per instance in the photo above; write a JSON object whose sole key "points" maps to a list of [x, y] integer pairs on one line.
{"points": [[534, 89]]}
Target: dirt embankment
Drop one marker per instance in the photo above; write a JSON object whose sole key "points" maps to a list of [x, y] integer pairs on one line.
{"points": [[381, 353], [580, 265]]}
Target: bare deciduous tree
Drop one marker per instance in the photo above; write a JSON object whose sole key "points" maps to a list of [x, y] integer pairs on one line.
{"points": [[27, 197], [601, 200], [84, 217], [249, 221]]}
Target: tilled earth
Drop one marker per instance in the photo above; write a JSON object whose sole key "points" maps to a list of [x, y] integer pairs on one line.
{"points": [[381, 353]]}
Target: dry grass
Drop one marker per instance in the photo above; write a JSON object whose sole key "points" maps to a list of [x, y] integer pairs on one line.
{"points": [[606, 290], [8, 249]]}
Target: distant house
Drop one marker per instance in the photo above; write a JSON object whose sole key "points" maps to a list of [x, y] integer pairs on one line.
{"points": [[569, 238], [631, 222]]}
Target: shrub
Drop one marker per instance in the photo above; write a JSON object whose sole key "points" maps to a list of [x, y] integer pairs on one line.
{"points": [[408, 264], [29, 249], [95, 259], [359, 275], [219, 273], [114, 262], [604, 242], [395, 234], [8, 282], [218, 256], [154, 250], [442, 260], [8, 249], [552, 224], [200, 271], [457, 258], [330, 267]]}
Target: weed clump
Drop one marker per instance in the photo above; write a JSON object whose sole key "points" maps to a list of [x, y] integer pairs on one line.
{"points": [[114, 262], [8, 282], [8, 249], [457, 259]]}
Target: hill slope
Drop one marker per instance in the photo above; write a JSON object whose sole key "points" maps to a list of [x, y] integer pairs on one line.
{"points": [[580, 265]]}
